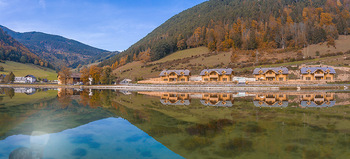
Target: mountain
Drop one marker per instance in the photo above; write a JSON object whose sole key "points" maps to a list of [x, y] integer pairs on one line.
{"points": [[12, 50], [244, 25], [59, 50]]}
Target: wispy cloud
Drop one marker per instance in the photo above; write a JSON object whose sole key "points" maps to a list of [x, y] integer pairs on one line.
{"points": [[3, 3], [42, 3]]}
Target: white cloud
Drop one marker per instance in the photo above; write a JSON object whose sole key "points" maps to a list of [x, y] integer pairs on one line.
{"points": [[3, 3], [42, 3]]}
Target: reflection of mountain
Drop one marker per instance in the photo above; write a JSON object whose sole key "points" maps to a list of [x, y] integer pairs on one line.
{"points": [[197, 131], [317, 100], [52, 115], [271, 100], [242, 131]]}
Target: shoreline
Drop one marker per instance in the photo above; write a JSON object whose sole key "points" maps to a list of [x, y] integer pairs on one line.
{"points": [[148, 87]]}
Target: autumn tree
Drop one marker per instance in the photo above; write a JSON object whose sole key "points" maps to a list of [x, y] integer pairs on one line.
{"points": [[64, 75], [106, 75], [95, 73], [85, 74]]}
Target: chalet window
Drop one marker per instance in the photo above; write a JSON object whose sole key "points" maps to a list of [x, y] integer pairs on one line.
{"points": [[328, 78], [281, 95], [308, 95], [182, 79], [225, 95], [308, 78], [205, 79], [166, 79], [224, 79], [281, 79]]}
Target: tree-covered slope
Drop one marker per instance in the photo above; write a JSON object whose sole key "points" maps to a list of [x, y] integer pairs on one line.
{"points": [[243, 24], [57, 49], [12, 50]]}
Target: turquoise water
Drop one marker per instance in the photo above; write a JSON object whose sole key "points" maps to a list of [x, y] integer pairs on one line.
{"points": [[105, 138], [42, 123]]}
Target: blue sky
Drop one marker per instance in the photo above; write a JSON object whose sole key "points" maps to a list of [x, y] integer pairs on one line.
{"points": [[106, 24]]}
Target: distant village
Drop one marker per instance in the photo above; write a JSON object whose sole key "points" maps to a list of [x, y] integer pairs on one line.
{"points": [[268, 74]]}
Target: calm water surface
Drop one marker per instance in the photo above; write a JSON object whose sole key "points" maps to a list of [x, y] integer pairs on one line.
{"points": [[67, 123]]}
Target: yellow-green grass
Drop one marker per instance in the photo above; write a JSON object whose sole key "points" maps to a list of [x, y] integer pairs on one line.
{"points": [[183, 54], [22, 98], [20, 69], [342, 45]]}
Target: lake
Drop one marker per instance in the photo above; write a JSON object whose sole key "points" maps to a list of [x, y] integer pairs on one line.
{"points": [[74, 123]]}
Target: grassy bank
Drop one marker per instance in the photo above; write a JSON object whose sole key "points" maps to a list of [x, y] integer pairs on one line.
{"points": [[20, 69]]}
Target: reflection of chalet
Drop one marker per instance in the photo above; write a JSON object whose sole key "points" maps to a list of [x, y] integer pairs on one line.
{"points": [[28, 91], [317, 100], [271, 100], [217, 99], [62, 92], [175, 99]]}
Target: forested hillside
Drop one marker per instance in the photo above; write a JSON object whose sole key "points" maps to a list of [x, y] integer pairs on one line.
{"points": [[59, 50], [12, 50], [244, 25]]}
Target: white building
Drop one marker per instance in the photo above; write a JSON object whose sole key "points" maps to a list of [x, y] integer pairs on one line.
{"points": [[26, 79]]}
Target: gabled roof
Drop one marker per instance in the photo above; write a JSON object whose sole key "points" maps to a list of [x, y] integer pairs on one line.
{"points": [[313, 104], [179, 102], [304, 70], [275, 69], [75, 75], [264, 104], [219, 103], [178, 72], [228, 71], [30, 76]]}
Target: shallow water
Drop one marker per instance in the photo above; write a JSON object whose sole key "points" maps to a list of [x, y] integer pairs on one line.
{"points": [[68, 123]]}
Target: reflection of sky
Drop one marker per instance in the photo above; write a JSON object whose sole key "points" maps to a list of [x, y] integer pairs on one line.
{"points": [[107, 138]]}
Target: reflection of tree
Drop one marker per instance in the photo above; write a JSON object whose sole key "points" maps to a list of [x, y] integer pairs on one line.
{"points": [[64, 98], [9, 92]]}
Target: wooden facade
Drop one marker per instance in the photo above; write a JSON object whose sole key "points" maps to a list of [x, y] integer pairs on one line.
{"points": [[317, 73], [217, 75], [175, 75], [271, 74], [73, 79]]}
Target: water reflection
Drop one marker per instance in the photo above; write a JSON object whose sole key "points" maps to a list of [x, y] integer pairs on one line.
{"points": [[317, 100], [217, 99], [259, 99], [271, 100], [94, 123]]}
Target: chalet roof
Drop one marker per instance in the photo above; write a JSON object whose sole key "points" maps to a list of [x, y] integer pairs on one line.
{"points": [[276, 104], [75, 75], [275, 69], [179, 102], [228, 71], [219, 103], [178, 72], [30, 76], [304, 70], [313, 104]]}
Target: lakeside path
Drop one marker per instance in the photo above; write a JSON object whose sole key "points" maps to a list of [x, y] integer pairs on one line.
{"points": [[187, 88]]}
